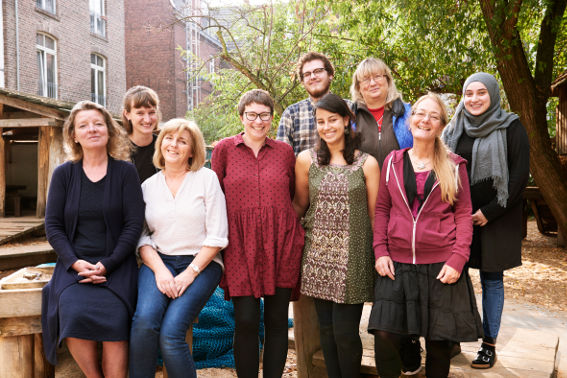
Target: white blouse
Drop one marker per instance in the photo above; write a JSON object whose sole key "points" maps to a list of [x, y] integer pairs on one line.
{"points": [[195, 217]]}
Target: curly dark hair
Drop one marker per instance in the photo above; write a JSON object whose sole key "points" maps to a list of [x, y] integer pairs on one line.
{"points": [[310, 56], [335, 104]]}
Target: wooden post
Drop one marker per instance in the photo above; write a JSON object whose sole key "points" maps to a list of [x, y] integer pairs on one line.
{"points": [[43, 142], [306, 333], [2, 176]]}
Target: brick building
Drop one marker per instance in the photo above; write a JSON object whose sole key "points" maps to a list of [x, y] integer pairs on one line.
{"points": [[69, 51], [153, 35]]}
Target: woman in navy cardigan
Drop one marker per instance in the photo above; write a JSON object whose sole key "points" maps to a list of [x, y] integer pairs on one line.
{"points": [[93, 219]]}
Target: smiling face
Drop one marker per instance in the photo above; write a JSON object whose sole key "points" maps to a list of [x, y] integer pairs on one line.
{"points": [[316, 84], [477, 98], [374, 89], [90, 130], [176, 149], [331, 126], [256, 130], [426, 120], [144, 119]]}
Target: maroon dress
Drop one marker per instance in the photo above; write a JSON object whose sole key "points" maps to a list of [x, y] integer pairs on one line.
{"points": [[265, 236]]}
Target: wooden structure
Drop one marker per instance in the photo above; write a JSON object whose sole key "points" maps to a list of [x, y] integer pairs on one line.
{"points": [[31, 119], [559, 89], [21, 347]]}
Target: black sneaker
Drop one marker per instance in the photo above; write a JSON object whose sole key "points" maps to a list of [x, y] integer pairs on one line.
{"points": [[485, 358], [410, 352]]}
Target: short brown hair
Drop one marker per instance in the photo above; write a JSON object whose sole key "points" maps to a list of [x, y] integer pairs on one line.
{"points": [[308, 57], [136, 97], [119, 146], [178, 125], [258, 96]]}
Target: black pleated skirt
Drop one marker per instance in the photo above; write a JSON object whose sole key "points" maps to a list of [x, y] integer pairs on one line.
{"points": [[416, 303], [92, 312]]}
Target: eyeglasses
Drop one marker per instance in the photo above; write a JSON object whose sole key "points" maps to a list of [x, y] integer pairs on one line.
{"points": [[420, 114], [315, 72], [251, 116], [376, 78]]}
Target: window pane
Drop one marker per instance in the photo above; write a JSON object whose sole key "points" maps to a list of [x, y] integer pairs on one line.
{"points": [[51, 88], [49, 43], [93, 58], [39, 39], [93, 85], [41, 71], [100, 90]]}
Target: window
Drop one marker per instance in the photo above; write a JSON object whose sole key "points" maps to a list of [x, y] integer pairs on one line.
{"points": [[47, 66], [98, 73], [46, 5], [212, 65], [98, 17]]}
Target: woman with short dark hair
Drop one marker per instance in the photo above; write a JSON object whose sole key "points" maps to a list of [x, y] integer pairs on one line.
{"points": [[265, 236]]}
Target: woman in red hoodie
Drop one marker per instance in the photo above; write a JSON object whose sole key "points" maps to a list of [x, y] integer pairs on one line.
{"points": [[422, 236]]}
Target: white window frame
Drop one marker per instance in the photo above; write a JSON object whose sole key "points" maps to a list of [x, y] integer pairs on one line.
{"points": [[43, 51], [96, 97], [44, 5], [212, 65], [98, 17]]}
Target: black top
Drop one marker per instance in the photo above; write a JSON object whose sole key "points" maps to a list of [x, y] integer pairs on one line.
{"points": [[142, 159], [373, 142], [90, 236]]}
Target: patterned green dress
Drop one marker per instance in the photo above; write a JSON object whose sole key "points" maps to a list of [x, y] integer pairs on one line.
{"points": [[338, 262]]}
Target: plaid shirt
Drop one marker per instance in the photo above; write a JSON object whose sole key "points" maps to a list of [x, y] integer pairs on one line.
{"points": [[297, 126]]}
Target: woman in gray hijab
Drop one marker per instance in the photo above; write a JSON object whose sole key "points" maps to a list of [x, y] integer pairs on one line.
{"points": [[495, 144]]}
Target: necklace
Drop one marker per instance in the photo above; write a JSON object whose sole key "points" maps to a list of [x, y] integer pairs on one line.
{"points": [[420, 165]]}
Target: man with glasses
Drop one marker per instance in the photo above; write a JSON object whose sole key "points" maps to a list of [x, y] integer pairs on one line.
{"points": [[297, 124]]}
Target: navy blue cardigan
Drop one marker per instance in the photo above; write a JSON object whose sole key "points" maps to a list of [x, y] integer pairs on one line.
{"points": [[123, 208]]}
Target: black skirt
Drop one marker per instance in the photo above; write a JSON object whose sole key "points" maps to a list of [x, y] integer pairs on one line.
{"points": [[417, 303], [93, 312]]}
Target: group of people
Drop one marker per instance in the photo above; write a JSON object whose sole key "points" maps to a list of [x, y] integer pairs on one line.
{"points": [[369, 200]]}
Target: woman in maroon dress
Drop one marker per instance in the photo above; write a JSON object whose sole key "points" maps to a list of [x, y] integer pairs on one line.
{"points": [[263, 258]]}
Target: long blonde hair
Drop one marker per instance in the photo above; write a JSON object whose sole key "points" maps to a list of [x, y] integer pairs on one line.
{"points": [[443, 165]]}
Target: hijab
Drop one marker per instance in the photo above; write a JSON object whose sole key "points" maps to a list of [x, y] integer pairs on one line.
{"points": [[490, 150]]}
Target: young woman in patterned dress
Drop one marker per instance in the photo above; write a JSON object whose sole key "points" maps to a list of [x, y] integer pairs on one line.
{"points": [[337, 185]]}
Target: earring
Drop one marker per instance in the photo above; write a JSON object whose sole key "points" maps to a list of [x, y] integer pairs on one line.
{"points": [[347, 131]]}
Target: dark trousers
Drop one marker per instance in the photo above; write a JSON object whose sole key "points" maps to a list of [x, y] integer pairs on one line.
{"points": [[389, 364], [340, 338], [247, 328]]}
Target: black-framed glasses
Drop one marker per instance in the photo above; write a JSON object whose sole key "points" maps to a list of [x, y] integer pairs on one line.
{"points": [[251, 116], [315, 72]]}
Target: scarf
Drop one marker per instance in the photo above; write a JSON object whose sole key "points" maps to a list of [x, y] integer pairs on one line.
{"points": [[490, 150]]}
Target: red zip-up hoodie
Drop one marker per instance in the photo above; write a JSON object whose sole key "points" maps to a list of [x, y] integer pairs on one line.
{"points": [[439, 233]]}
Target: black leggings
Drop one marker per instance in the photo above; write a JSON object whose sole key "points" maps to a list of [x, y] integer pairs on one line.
{"points": [[247, 328], [340, 337], [388, 362]]}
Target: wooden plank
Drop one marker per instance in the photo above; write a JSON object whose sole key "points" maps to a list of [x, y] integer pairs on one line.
{"points": [[2, 176], [43, 110], [19, 233], [41, 367], [17, 303], [27, 325], [16, 356], [306, 331], [28, 122], [44, 138]]}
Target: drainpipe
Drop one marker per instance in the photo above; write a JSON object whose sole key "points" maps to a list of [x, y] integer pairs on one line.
{"points": [[17, 45]]}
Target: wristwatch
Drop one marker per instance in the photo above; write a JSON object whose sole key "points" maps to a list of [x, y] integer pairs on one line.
{"points": [[195, 268]]}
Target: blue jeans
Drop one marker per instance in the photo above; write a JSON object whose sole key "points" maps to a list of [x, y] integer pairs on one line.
{"points": [[164, 320], [492, 302]]}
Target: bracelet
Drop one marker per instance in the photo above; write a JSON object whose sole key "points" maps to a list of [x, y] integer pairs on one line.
{"points": [[195, 268]]}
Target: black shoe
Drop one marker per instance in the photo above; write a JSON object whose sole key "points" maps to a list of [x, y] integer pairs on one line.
{"points": [[485, 357], [410, 352], [455, 350]]}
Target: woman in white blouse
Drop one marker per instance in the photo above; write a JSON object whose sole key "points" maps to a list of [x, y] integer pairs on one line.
{"points": [[186, 228]]}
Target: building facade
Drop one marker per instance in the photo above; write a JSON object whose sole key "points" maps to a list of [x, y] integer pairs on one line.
{"points": [[69, 51], [156, 37]]}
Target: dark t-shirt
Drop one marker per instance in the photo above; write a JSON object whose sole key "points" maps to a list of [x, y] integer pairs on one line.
{"points": [[142, 159]]}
